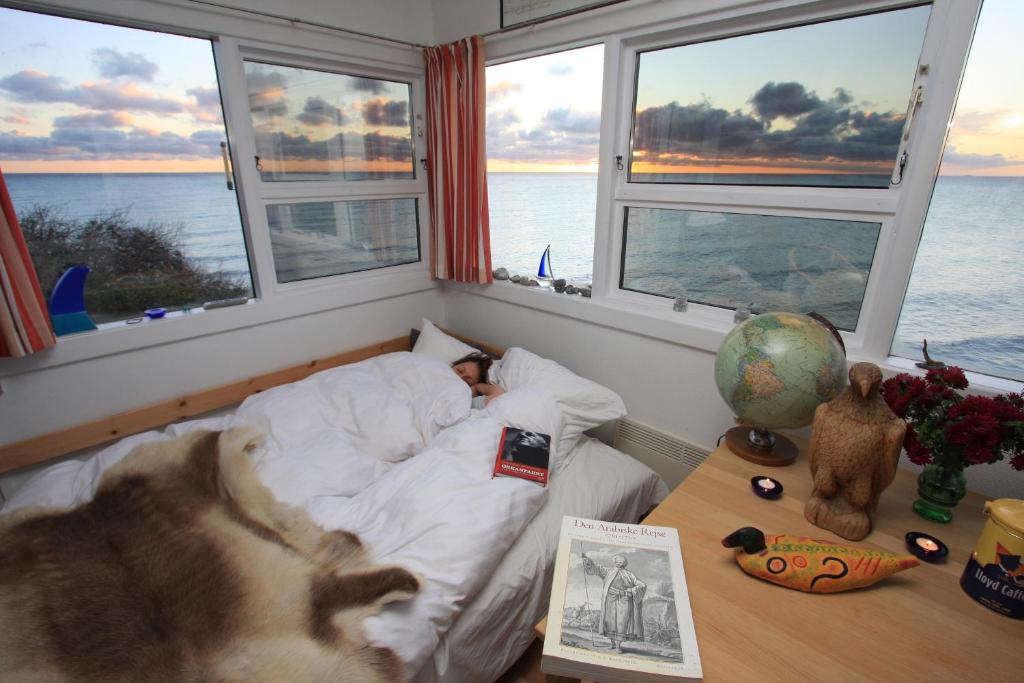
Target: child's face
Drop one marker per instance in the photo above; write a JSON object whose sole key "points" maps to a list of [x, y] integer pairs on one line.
{"points": [[468, 372]]}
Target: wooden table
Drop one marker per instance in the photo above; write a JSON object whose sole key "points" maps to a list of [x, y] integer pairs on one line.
{"points": [[916, 625]]}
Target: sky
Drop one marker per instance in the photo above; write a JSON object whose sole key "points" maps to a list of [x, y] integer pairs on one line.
{"points": [[85, 97]]}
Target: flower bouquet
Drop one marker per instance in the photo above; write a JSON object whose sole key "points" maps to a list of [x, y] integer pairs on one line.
{"points": [[948, 431]]}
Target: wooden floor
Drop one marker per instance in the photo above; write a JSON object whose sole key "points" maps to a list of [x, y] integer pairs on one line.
{"points": [[527, 669]]}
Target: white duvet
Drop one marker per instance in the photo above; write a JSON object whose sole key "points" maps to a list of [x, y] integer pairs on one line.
{"points": [[388, 449]]}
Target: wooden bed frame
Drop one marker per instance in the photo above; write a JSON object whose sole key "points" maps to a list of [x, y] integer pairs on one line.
{"points": [[65, 441]]}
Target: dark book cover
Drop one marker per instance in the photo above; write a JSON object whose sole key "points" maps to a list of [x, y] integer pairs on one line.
{"points": [[523, 454]]}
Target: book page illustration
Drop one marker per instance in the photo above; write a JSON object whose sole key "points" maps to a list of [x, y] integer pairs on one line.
{"points": [[619, 600]]}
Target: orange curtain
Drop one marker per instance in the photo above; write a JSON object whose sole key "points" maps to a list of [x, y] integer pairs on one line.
{"points": [[460, 239], [24, 321]]}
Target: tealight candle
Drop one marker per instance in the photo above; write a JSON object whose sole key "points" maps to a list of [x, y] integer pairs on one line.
{"points": [[766, 487], [925, 547]]}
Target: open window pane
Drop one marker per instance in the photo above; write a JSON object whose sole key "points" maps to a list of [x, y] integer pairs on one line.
{"points": [[815, 105], [965, 291], [774, 263], [317, 239], [316, 125], [111, 150], [543, 130]]}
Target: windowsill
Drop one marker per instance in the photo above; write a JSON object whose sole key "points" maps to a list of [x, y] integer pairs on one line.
{"points": [[701, 327], [115, 338]]}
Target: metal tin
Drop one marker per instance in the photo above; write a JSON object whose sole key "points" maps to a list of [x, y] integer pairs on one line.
{"points": [[994, 575]]}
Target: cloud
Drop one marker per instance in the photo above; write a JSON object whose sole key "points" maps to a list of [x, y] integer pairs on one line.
{"points": [[372, 146], [95, 144], [320, 112], [206, 108], [382, 112], [36, 86], [561, 134], [500, 91], [266, 92], [979, 161], [370, 85], [783, 99], [114, 64], [105, 119], [560, 69], [569, 121], [819, 131]]}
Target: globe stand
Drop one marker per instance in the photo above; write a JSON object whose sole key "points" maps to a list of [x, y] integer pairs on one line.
{"points": [[761, 446]]}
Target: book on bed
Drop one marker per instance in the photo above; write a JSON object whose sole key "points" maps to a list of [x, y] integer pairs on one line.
{"points": [[523, 454], [619, 610]]}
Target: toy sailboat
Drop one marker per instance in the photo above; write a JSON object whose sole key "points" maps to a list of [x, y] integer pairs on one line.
{"points": [[545, 275]]}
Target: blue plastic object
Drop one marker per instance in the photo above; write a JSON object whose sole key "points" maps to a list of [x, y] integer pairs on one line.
{"points": [[544, 270], [67, 302], [154, 313]]}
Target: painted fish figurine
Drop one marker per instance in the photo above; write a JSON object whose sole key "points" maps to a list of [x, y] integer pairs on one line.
{"points": [[812, 565]]}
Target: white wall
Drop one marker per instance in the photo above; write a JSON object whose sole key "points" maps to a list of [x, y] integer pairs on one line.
{"points": [[454, 19], [45, 400], [666, 385]]}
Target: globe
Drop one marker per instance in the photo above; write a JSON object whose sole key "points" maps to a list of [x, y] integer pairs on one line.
{"points": [[774, 369]]}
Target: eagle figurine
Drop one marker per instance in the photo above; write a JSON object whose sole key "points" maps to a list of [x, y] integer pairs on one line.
{"points": [[855, 447]]}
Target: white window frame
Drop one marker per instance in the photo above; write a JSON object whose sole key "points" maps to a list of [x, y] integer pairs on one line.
{"points": [[230, 35], [259, 194], [901, 210]]}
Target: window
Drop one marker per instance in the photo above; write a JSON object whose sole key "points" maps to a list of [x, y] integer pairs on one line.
{"points": [[543, 129], [765, 263], [964, 295], [112, 152], [336, 139], [314, 124], [821, 104], [317, 239], [817, 111]]}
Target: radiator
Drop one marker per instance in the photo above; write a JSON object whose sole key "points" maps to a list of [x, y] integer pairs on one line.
{"points": [[669, 456]]}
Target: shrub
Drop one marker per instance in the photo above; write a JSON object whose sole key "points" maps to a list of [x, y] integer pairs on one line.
{"points": [[133, 267]]}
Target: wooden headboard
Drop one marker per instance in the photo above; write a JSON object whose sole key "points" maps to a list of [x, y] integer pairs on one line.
{"points": [[70, 439]]}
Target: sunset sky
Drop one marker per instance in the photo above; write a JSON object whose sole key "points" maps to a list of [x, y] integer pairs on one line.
{"points": [[87, 97]]}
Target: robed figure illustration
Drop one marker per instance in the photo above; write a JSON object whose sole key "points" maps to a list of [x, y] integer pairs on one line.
{"points": [[622, 600]]}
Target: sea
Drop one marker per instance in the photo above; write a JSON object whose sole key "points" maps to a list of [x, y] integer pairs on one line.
{"points": [[964, 296]]}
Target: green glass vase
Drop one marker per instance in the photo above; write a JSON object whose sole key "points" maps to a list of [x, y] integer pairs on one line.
{"points": [[940, 489]]}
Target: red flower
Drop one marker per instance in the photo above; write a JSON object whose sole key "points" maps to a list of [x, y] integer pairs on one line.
{"points": [[916, 451], [977, 433], [953, 430], [901, 391], [951, 376]]}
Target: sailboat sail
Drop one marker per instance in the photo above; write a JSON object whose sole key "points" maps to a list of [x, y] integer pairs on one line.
{"points": [[544, 270]]}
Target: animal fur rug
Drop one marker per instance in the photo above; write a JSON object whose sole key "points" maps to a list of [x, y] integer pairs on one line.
{"points": [[185, 568]]}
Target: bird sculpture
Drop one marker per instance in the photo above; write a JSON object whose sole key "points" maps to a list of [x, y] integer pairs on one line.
{"points": [[811, 565], [855, 447]]}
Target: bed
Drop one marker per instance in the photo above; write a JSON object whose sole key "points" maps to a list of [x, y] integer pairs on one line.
{"points": [[388, 449]]}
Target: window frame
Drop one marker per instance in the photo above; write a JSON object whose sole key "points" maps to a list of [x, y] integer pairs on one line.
{"points": [[270, 303], [258, 194], [900, 209]]}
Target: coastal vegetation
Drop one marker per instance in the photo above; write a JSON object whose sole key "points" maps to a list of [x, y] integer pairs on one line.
{"points": [[133, 267]]}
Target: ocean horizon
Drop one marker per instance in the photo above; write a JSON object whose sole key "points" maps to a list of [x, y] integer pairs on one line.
{"points": [[978, 218]]}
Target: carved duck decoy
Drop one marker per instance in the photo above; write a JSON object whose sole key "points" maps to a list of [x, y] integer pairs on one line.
{"points": [[812, 565]]}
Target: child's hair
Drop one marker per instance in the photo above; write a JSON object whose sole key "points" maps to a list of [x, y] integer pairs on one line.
{"points": [[482, 360]]}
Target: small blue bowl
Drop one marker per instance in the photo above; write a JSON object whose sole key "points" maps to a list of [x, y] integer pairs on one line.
{"points": [[154, 313], [766, 487], [925, 547]]}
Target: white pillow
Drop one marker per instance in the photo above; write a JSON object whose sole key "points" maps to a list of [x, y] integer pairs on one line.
{"points": [[584, 404], [433, 342]]}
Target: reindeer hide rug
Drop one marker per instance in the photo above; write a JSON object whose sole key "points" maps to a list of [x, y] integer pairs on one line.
{"points": [[185, 568]]}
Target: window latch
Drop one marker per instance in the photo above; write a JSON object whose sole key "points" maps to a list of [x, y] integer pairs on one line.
{"points": [[227, 166], [259, 165], [618, 162]]}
